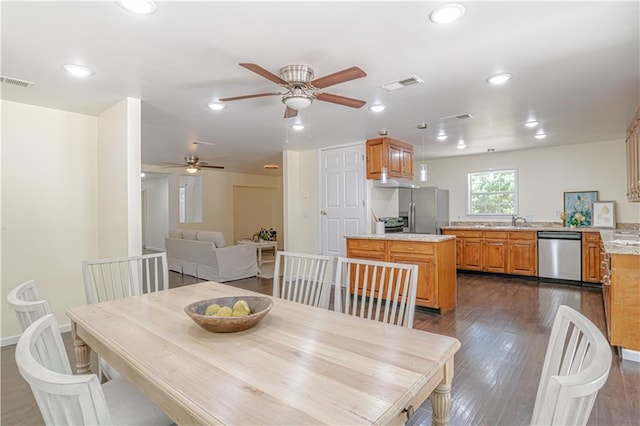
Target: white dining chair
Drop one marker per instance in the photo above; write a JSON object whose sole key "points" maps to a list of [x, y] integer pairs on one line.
{"points": [[576, 366], [67, 399], [110, 279], [115, 278], [376, 290], [26, 303], [303, 278]]}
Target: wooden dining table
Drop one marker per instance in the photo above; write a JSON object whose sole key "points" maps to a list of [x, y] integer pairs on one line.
{"points": [[299, 365]]}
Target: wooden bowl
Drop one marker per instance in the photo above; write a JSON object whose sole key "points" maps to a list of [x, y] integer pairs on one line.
{"points": [[259, 305]]}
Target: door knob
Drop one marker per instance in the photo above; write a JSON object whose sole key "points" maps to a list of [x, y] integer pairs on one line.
{"points": [[324, 212]]}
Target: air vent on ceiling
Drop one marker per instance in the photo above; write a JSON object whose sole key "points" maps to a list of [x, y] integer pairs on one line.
{"points": [[15, 81], [399, 84], [464, 116]]}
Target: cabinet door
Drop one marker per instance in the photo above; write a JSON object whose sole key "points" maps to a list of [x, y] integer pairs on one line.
{"points": [[591, 257], [395, 161], [472, 254], [375, 158], [495, 256], [365, 249], [523, 257], [407, 163], [427, 290]]}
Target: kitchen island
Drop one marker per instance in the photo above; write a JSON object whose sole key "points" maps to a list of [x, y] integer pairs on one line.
{"points": [[621, 291], [434, 254]]}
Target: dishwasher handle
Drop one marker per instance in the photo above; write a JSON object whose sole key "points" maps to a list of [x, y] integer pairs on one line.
{"points": [[559, 235]]}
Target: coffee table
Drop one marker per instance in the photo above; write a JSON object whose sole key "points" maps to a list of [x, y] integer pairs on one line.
{"points": [[261, 245]]}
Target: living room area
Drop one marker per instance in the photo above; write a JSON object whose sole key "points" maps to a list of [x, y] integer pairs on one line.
{"points": [[237, 209]]}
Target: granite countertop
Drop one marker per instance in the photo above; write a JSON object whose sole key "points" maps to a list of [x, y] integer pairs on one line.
{"points": [[399, 236], [617, 242], [518, 228]]}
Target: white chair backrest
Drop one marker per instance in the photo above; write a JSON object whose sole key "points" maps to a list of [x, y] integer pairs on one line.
{"points": [[303, 278], [575, 367], [381, 291], [110, 279], [26, 303], [63, 399]]}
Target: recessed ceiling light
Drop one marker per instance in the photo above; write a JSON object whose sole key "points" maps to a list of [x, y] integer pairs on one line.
{"points": [[442, 137], [540, 135], [461, 144], [499, 78], [532, 123], [446, 13], [271, 166], [297, 127], [378, 108], [142, 174], [141, 7], [77, 70], [216, 106]]}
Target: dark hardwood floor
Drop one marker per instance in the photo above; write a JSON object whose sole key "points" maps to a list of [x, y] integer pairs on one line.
{"points": [[503, 324]]}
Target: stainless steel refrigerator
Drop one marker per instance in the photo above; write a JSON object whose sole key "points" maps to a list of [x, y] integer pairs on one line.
{"points": [[424, 210]]}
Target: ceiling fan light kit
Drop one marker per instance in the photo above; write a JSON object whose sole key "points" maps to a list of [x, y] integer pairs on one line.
{"points": [[447, 13]]}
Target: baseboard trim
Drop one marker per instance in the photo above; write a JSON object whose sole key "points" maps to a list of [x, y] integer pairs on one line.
{"points": [[12, 340]]}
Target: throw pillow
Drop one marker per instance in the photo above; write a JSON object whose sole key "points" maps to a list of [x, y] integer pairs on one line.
{"points": [[267, 234]]}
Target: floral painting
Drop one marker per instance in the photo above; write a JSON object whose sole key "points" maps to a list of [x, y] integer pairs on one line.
{"points": [[578, 207]]}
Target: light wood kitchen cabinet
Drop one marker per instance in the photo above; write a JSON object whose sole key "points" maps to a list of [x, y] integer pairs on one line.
{"points": [[436, 270], [591, 252], [523, 253], [495, 251], [395, 155], [621, 293], [513, 252], [633, 158]]}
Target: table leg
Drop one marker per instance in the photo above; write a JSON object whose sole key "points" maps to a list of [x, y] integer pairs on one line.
{"points": [[441, 397], [82, 352], [259, 255]]}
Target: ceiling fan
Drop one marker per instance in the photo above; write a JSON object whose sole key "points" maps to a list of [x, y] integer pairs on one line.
{"points": [[193, 164], [301, 89]]}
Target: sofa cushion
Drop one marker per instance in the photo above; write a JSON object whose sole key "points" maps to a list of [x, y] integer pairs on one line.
{"points": [[190, 234], [212, 237], [175, 233]]}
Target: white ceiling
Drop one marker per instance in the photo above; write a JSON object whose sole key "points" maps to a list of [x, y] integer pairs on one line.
{"points": [[575, 68]]}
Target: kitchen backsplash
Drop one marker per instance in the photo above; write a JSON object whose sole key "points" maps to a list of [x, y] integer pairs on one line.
{"points": [[623, 226]]}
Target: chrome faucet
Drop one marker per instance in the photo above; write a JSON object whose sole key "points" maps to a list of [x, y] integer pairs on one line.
{"points": [[515, 219]]}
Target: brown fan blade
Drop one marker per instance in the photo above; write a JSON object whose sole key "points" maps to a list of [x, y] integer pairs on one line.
{"points": [[210, 167], [341, 100], [338, 77], [264, 73], [290, 112], [257, 95]]}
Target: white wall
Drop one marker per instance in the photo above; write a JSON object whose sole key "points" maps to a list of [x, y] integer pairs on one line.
{"points": [[49, 204], [157, 224], [544, 175], [302, 215], [120, 224]]}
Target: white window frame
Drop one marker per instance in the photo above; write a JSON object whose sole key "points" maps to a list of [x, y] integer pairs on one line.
{"points": [[515, 191]]}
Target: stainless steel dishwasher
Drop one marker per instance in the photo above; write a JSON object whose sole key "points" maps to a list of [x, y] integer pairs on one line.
{"points": [[560, 255]]}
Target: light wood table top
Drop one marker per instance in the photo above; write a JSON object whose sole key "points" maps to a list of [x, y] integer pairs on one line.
{"points": [[300, 365]]}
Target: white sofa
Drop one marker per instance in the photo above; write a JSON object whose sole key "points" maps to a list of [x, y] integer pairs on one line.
{"points": [[205, 255]]}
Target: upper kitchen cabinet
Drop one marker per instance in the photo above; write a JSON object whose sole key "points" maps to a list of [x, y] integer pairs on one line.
{"points": [[395, 155], [633, 159]]}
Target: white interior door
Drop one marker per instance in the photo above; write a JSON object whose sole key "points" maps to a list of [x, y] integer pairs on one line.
{"points": [[342, 174]]}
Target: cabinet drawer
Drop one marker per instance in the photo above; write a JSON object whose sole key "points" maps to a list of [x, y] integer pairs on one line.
{"points": [[523, 235], [465, 233], [369, 245], [496, 235], [591, 237], [410, 247]]}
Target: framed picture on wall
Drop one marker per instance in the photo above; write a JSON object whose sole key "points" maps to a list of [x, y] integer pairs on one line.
{"points": [[604, 214], [578, 208]]}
